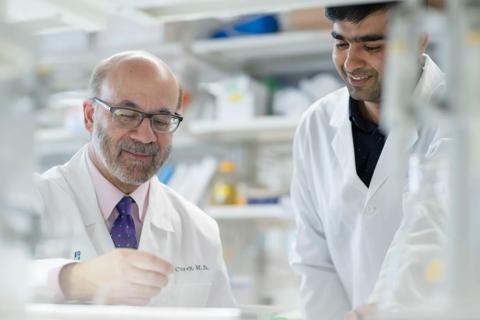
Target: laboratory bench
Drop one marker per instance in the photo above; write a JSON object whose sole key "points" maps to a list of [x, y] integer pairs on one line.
{"points": [[107, 312]]}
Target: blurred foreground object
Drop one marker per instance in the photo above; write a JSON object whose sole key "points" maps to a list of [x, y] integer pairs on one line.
{"points": [[16, 167]]}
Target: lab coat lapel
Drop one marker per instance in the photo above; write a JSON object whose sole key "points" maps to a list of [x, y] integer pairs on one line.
{"points": [[158, 223], [342, 143], [389, 159], [432, 77], [79, 180]]}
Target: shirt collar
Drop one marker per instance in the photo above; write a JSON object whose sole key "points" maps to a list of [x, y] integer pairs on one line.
{"points": [[358, 120], [108, 195]]}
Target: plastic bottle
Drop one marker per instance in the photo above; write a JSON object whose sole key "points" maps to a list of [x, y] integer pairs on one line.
{"points": [[224, 190]]}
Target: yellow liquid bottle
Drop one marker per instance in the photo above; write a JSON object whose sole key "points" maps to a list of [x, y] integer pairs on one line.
{"points": [[224, 190]]}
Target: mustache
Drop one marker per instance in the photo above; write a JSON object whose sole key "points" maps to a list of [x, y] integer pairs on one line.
{"points": [[149, 149]]}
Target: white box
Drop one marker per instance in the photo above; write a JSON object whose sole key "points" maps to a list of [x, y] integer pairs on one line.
{"points": [[238, 98]]}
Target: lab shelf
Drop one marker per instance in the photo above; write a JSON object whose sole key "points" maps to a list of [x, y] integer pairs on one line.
{"points": [[94, 15], [90, 56], [270, 54], [250, 212], [260, 129], [169, 10], [52, 135], [282, 44], [58, 141]]}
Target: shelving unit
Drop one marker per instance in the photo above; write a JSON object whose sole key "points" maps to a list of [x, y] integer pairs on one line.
{"points": [[248, 50], [187, 9], [269, 54], [93, 15], [261, 47], [258, 232], [53, 135], [259, 129], [250, 212], [58, 141]]}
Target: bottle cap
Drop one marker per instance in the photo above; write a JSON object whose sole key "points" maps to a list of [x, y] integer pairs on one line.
{"points": [[227, 166]]}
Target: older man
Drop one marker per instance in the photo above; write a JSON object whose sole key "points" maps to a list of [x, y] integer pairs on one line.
{"points": [[133, 240]]}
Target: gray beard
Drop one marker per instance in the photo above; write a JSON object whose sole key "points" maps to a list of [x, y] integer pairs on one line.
{"points": [[136, 173]]}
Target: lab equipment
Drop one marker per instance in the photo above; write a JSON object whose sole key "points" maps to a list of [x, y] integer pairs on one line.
{"points": [[458, 114]]}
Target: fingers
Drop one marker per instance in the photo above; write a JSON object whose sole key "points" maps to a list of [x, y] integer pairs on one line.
{"points": [[148, 278], [127, 276], [361, 312], [351, 315], [141, 292], [146, 261], [125, 293]]}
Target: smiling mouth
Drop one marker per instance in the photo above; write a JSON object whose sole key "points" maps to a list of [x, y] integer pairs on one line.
{"points": [[358, 77], [357, 80], [137, 155]]}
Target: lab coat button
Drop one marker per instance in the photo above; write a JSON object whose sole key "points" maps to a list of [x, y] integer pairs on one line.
{"points": [[370, 210]]}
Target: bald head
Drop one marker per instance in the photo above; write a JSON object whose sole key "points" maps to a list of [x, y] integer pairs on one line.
{"points": [[137, 81], [119, 71]]}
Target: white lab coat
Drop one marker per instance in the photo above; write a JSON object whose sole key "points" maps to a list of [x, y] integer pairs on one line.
{"points": [[412, 274], [344, 229], [173, 229]]}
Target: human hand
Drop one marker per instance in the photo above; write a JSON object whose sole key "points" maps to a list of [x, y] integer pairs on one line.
{"points": [[360, 313], [123, 276]]}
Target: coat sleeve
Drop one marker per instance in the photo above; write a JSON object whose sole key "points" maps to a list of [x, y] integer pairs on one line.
{"points": [[412, 270], [220, 293], [322, 294], [46, 263]]}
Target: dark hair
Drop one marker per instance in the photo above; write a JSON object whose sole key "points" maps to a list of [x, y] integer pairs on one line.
{"points": [[356, 13]]}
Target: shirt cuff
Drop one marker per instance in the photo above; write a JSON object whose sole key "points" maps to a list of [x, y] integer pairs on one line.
{"points": [[44, 279], [54, 282]]}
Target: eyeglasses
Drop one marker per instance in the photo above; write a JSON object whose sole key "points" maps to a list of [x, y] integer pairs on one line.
{"points": [[129, 118]]}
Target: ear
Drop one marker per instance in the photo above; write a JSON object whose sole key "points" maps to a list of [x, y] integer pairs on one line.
{"points": [[423, 44], [88, 112]]}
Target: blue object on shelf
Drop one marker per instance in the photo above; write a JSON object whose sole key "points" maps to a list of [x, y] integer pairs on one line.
{"points": [[166, 173], [264, 200], [257, 24]]}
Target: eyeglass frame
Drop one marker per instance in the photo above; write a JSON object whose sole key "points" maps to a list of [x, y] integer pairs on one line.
{"points": [[143, 115]]}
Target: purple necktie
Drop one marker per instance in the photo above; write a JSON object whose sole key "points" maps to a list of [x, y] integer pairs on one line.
{"points": [[123, 228]]}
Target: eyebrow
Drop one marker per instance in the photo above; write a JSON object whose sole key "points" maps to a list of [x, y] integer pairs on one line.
{"points": [[129, 104], [365, 38], [133, 105]]}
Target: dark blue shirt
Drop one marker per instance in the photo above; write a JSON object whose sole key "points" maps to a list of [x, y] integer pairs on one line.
{"points": [[368, 142]]}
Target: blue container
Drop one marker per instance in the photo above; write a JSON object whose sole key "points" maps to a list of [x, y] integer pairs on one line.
{"points": [[265, 200], [258, 24], [166, 173]]}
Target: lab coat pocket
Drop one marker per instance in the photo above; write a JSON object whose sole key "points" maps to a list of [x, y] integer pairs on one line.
{"points": [[186, 295]]}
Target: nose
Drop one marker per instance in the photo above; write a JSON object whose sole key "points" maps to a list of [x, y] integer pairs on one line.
{"points": [[353, 60], [144, 132]]}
